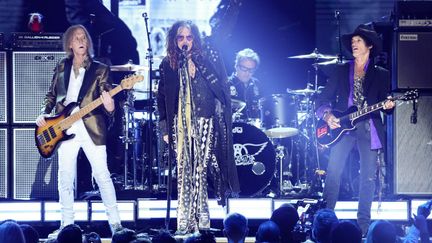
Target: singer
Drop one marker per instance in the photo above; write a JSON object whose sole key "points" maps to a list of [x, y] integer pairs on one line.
{"points": [[195, 119], [357, 83]]}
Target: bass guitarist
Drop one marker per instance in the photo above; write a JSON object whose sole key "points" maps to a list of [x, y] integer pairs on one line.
{"points": [[78, 78], [357, 83]]}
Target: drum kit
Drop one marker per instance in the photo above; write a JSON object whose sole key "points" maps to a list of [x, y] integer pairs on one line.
{"points": [[280, 144], [142, 163], [276, 152]]}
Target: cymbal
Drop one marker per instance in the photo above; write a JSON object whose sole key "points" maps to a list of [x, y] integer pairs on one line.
{"points": [[331, 62], [301, 91], [314, 55], [237, 105], [128, 67]]}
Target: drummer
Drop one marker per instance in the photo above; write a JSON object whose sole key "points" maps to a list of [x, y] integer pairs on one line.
{"points": [[245, 87]]}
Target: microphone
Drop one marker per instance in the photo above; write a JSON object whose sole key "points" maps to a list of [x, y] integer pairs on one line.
{"points": [[337, 15], [184, 48], [413, 118], [183, 55]]}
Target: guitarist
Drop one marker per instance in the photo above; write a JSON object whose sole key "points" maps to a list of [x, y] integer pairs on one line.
{"points": [[78, 78], [357, 83]]}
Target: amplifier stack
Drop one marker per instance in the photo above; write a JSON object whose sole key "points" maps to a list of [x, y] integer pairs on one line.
{"points": [[27, 62], [412, 125]]}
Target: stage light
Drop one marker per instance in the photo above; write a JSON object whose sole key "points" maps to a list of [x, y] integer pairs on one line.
{"points": [[380, 210], [259, 208], [278, 202], [156, 209], [151, 209], [53, 211], [126, 211], [21, 211], [216, 210]]}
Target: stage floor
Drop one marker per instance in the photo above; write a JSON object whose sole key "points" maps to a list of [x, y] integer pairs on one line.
{"points": [[148, 215]]}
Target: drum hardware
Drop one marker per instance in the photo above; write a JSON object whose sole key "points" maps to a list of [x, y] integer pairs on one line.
{"points": [[237, 106], [129, 139], [311, 153], [332, 62], [306, 91], [285, 185]]}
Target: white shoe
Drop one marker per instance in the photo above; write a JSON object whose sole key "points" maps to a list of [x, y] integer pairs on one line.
{"points": [[115, 227]]}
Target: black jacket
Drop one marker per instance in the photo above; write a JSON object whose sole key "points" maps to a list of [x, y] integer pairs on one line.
{"points": [[376, 88]]}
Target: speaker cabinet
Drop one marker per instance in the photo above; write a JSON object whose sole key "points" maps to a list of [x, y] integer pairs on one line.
{"points": [[3, 88], [413, 149], [34, 177], [414, 71], [3, 163], [31, 77]]}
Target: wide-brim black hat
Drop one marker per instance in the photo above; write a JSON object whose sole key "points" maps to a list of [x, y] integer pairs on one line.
{"points": [[368, 34]]}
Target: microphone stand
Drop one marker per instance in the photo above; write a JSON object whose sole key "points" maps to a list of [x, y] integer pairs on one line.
{"points": [[149, 139], [337, 16], [150, 127], [413, 118]]}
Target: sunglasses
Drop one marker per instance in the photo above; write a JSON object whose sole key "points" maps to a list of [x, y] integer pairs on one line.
{"points": [[246, 69], [182, 37]]}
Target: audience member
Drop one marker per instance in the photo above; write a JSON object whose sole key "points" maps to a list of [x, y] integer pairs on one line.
{"points": [[419, 229], [163, 237], [268, 232], [286, 217], [71, 233], [124, 235], [92, 237], [346, 232], [51, 240], [30, 234], [235, 228], [10, 231], [324, 221], [201, 237], [381, 231]]}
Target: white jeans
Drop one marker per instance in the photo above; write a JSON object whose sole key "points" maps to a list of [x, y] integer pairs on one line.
{"points": [[67, 153]]}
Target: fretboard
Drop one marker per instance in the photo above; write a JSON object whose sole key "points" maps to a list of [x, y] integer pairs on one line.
{"points": [[366, 110]]}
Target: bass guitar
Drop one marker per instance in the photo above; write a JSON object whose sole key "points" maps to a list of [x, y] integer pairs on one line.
{"points": [[48, 137], [348, 119]]}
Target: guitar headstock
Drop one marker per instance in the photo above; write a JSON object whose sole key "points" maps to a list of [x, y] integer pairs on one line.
{"points": [[129, 82], [409, 95]]}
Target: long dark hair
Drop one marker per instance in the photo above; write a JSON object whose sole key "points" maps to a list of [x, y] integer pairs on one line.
{"points": [[173, 52]]}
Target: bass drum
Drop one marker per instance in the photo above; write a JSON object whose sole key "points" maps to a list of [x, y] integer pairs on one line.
{"points": [[255, 159]]}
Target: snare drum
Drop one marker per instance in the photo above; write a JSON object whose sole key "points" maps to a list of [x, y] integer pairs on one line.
{"points": [[279, 115], [255, 158]]}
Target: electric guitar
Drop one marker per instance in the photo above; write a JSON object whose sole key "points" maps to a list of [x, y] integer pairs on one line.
{"points": [[49, 136], [348, 119]]}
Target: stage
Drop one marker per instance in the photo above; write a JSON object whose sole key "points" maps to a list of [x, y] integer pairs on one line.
{"points": [[147, 215]]}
